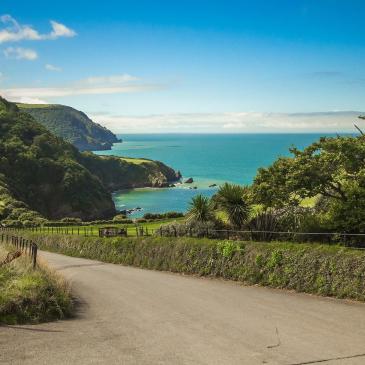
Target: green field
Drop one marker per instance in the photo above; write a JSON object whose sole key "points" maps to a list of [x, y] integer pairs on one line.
{"points": [[32, 106], [93, 230], [136, 161]]}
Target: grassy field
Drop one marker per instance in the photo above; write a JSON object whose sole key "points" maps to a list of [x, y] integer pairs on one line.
{"points": [[312, 268], [93, 230], [136, 161], [32, 106], [30, 295]]}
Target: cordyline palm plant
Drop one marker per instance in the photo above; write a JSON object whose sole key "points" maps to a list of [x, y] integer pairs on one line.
{"points": [[230, 199], [200, 209]]}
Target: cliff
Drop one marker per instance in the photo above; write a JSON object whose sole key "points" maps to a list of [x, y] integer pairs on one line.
{"points": [[43, 175], [72, 125]]}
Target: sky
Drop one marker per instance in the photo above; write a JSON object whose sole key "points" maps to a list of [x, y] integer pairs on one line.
{"points": [[190, 66]]}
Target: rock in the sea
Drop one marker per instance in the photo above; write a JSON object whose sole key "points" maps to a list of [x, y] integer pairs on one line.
{"points": [[213, 185], [189, 181]]}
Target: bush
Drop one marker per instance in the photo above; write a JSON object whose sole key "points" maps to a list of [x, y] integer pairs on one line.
{"points": [[189, 229], [71, 220], [312, 268], [119, 218], [155, 216]]}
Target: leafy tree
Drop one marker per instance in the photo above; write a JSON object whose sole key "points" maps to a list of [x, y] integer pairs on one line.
{"points": [[322, 168], [333, 168], [230, 199]]}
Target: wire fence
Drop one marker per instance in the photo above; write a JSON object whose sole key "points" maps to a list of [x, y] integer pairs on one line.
{"points": [[347, 239], [21, 244]]}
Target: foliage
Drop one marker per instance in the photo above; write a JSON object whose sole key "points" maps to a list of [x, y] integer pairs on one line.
{"points": [[332, 168], [154, 216], [116, 173], [318, 269], [31, 296], [71, 220], [190, 228], [72, 125], [119, 218], [262, 224], [200, 209], [42, 173], [228, 248], [230, 199]]}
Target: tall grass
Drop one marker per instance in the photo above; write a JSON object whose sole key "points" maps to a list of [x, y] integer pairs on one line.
{"points": [[31, 296]]}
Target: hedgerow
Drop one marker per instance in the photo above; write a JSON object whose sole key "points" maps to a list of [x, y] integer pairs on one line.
{"points": [[312, 268]]}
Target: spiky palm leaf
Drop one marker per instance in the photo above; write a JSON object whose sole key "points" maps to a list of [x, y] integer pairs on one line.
{"points": [[229, 198], [200, 209]]}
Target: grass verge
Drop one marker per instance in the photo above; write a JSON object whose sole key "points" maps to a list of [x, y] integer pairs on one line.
{"points": [[31, 296], [312, 268]]}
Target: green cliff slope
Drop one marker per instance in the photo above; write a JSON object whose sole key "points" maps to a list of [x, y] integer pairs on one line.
{"points": [[72, 125], [42, 173]]}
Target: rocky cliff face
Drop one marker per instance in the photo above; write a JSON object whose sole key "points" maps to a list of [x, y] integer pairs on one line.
{"points": [[116, 173]]}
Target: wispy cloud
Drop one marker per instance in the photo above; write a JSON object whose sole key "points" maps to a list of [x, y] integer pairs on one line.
{"points": [[95, 85], [20, 53], [239, 122], [52, 68], [15, 32], [109, 80]]}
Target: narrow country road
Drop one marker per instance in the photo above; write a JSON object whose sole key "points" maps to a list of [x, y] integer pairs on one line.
{"points": [[132, 316]]}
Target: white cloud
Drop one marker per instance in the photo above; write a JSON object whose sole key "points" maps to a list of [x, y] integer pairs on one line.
{"points": [[53, 68], [80, 88], [15, 32], [239, 122], [108, 80], [60, 30], [30, 100], [101, 85], [20, 53]]}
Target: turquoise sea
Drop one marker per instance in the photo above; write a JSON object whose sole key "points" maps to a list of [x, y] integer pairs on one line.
{"points": [[208, 159]]}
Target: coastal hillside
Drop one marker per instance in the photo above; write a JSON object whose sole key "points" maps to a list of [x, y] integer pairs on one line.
{"points": [[123, 173], [72, 125], [41, 175]]}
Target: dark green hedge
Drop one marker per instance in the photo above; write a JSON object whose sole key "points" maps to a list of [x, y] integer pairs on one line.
{"points": [[318, 269]]}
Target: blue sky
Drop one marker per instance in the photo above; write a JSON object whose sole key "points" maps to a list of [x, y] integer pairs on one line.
{"points": [[221, 66]]}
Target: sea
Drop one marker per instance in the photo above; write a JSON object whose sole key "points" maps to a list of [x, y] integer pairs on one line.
{"points": [[210, 159]]}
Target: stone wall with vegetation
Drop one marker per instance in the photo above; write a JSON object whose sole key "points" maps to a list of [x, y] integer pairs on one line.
{"points": [[317, 269]]}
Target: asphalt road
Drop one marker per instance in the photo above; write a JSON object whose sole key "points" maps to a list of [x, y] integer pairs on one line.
{"points": [[132, 316]]}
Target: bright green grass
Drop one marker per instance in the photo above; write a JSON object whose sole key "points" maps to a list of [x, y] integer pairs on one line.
{"points": [[33, 106], [136, 161], [309, 202], [93, 230]]}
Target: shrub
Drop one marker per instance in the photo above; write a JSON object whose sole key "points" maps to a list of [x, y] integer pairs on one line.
{"points": [[312, 268], [71, 220], [119, 218], [155, 216]]}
